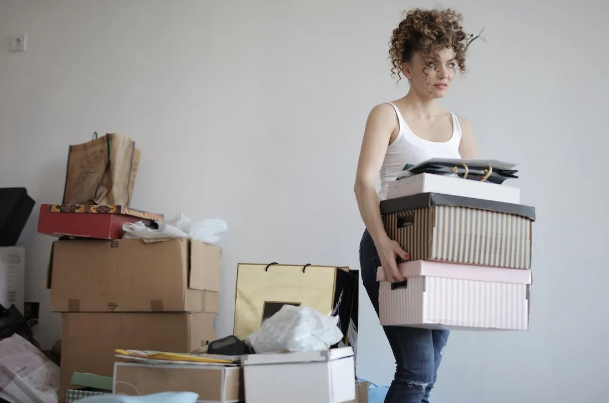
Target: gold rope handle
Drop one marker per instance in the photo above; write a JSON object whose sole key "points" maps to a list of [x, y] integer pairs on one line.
{"points": [[454, 170], [487, 172]]}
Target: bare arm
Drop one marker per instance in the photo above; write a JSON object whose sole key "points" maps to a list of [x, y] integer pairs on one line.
{"points": [[382, 122], [467, 148]]}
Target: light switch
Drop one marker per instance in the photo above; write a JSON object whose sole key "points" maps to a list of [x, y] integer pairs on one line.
{"points": [[17, 43]]}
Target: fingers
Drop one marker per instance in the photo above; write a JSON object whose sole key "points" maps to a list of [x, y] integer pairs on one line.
{"points": [[397, 249], [393, 270], [397, 276]]}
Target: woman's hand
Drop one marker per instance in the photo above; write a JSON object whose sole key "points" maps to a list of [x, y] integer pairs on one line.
{"points": [[387, 250]]}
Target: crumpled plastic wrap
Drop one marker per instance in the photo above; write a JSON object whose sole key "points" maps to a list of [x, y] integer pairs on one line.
{"points": [[26, 375], [181, 226], [296, 328], [163, 397]]}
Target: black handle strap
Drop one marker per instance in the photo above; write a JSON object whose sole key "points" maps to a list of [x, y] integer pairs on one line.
{"points": [[268, 265], [400, 285], [274, 263]]}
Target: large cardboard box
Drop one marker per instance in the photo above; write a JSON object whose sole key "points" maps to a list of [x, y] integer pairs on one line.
{"points": [[439, 227], [455, 296], [131, 275], [12, 277], [213, 383], [431, 183], [89, 340], [302, 377]]}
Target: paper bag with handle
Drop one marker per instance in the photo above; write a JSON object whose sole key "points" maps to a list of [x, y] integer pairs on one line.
{"points": [[102, 171]]}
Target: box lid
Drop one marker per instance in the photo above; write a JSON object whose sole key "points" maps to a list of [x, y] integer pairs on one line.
{"points": [[101, 209], [298, 357], [460, 271], [91, 380], [424, 200]]}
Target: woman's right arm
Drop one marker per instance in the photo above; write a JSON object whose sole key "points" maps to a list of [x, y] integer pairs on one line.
{"points": [[382, 122]]}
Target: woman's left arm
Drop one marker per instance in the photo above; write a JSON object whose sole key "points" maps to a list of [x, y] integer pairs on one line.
{"points": [[467, 148]]}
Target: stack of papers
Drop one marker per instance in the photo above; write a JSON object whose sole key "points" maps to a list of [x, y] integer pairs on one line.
{"points": [[151, 357]]}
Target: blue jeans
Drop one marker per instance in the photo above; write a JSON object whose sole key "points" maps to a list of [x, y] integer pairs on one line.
{"points": [[417, 352]]}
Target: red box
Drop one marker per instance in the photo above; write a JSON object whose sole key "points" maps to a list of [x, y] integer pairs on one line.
{"points": [[90, 221]]}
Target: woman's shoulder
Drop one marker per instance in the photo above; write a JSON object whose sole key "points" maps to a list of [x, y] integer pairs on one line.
{"points": [[383, 108], [382, 119], [383, 112], [463, 123]]}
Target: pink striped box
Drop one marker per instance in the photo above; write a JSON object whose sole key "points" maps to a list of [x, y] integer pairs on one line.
{"points": [[456, 296]]}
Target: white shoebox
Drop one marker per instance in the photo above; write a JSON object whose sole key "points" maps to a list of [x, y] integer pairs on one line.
{"points": [[439, 295], [304, 377], [12, 277], [431, 183]]}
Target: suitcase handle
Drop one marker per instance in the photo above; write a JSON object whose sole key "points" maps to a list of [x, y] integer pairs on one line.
{"points": [[405, 221], [400, 285]]}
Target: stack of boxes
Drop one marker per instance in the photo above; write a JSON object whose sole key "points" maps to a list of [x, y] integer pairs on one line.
{"points": [[127, 294], [470, 254]]}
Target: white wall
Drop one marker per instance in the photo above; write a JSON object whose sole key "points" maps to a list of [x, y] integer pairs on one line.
{"points": [[254, 112]]}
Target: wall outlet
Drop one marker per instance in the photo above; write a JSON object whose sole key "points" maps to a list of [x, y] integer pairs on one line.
{"points": [[17, 43]]}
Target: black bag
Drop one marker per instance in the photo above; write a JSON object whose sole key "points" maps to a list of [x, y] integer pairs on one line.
{"points": [[12, 322], [466, 169], [229, 345], [15, 209]]}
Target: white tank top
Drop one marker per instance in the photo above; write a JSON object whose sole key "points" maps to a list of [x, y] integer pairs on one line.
{"points": [[408, 148]]}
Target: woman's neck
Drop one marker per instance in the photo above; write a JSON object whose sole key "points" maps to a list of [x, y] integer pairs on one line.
{"points": [[422, 108]]}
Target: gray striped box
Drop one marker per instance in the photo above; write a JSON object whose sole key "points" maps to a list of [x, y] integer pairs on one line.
{"points": [[438, 227]]}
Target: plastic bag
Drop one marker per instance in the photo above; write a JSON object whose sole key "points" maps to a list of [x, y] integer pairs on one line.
{"points": [[296, 328], [179, 227], [26, 374]]}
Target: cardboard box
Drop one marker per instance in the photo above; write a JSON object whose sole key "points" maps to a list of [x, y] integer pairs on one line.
{"points": [[361, 392], [304, 377], [213, 383], [262, 289], [12, 277], [89, 340], [434, 226], [431, 183], [134, 276], [90, 221], [455, 296]]}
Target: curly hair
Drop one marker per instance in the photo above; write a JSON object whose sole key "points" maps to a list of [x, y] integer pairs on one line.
{"points": [[427, 31]]}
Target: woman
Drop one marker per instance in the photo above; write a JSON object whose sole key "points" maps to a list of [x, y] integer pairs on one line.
{"points": [[427, 47]]}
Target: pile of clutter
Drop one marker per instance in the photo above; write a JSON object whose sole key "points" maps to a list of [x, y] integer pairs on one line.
{"points": [[139, 298]]}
